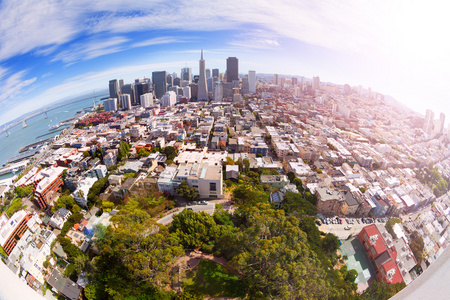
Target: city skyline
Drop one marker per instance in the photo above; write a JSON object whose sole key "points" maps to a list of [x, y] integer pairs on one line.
{"points": [[46, 55]]}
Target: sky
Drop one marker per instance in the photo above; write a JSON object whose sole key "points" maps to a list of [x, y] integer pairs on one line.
{"points": [[50, 50]]}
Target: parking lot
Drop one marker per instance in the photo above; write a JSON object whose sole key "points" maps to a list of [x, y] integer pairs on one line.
{"points": [[353, 227]]}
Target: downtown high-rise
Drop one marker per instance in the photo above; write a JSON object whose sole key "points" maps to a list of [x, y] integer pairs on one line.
{"points": [[202, 89], [232, 69]]}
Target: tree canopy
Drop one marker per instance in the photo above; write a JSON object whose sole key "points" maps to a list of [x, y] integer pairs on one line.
{"points": [[135, 257]]}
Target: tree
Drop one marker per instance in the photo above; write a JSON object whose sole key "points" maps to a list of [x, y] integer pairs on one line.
{"points": [[107, 206], [272, 256], [246, 165], [330, 243], [143, 153], [124, 148], [294, 203], [416, 246], [15, 206], [362, 189], [291, 176], [248, 195], [382, 290], [186, 192], [194, 229], [135, 257], [170, 152], [23, 191], [376, 166]]}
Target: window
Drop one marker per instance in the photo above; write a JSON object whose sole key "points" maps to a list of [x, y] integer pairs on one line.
{"points": [[212, 186]]}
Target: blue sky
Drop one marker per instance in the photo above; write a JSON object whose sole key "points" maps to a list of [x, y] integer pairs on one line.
{"points": [[50, 50]]}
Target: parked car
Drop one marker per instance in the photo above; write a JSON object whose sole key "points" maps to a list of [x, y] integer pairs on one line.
{"points": [[203, 202], [357, 220], [318, 223], [348, 227]]}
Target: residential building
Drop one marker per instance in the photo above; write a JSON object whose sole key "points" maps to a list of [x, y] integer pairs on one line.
{"points": [[12, 229], [275, 181], [330, 202], [381, 253]]}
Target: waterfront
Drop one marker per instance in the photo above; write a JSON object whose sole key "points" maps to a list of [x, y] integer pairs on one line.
{"points": [[39, 126]]}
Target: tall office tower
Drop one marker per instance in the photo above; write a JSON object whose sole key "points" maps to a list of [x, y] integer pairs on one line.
{"points": [[202, 89], [275, 79], [316, 83], [125, 101], [208, 73], [130, 90], [110, 104], [140, 89], [177, 81], [113, 88], [174, 74], [218, 91], [186, 75], [194, 91], [147, 100], [428, 123], [159, 79], [282, 81], [232, 69], [294, 80], [215, 73], [170, 79], [251, 81], [245, 85], [209, 84], [195, 80], [441, 123], [120, 84], [187, 92]]}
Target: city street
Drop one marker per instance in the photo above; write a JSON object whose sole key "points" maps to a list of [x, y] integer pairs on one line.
{"points": [[340, 232]]}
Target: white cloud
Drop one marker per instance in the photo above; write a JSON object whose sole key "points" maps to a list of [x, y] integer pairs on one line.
{"points": [[13, 84], [91, 49], [157, 41]]}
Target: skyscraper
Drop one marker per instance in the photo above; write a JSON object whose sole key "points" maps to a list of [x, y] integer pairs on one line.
{"points": [[170, 79], [202, 89], [159, 79], [275, 79], [130, 90], [113, 88], [215, 73], [232, 69], [251, 81], [208, 73], [316, 83], [140, 89], [428, 123], [441, 123], [186, 76]]}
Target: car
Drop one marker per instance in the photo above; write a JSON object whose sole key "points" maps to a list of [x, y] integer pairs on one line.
{"points": [[357, 220], [348, 227], [318, 223], [203, 202]]}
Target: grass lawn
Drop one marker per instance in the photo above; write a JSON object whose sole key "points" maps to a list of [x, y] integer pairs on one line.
{"points": [[211, 279]]}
